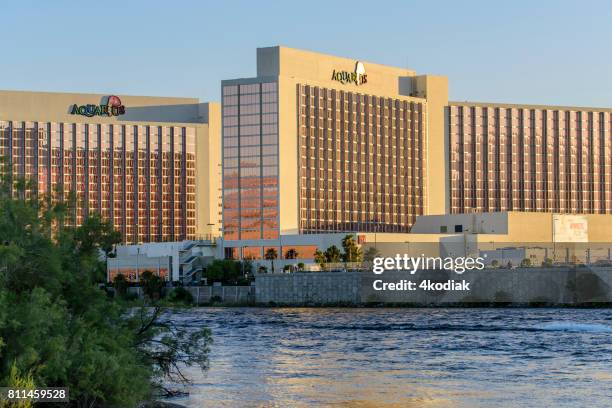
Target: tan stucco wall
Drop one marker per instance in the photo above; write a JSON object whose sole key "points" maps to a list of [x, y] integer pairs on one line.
{"points": [[208, 174], [288, 159], [538, 227], [521, 227], [435, 90], [318, 68]]}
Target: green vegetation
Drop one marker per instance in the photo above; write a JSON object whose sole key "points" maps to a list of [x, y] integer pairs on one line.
{"points": [[370, 254], [121, 285], [291, 254], [333, 254], [16, 380], [152, 285], [229, 272], [320, 258], [59, 329], [526, 263], [270, 255], [180, 295], [352, 252]]}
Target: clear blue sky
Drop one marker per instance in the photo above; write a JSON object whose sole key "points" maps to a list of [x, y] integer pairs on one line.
{"points": [[553, 52]]}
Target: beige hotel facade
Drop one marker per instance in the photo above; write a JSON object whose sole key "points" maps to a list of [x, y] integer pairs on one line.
{"points": [[311, 148]]}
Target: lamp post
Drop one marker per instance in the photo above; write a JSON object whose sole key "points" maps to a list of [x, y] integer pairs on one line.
{"points": [[408, 242], [242, 260], [137, 264]]}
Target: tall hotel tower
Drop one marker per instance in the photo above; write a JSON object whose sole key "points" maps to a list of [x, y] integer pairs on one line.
{"points": [[319, 144]]}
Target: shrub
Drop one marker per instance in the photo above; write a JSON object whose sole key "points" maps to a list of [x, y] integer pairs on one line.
{"points": [[180, 294], [58, 328], [152, 285]]}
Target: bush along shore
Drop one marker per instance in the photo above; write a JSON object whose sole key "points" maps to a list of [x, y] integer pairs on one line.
{"points": [[58, 328]]}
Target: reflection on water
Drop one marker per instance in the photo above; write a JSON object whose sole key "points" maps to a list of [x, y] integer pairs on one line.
{"points": [[387, 358]]}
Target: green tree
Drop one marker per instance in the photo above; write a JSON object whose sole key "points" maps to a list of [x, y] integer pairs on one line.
{"points": [[291, 254], [228, 271], [121, 285], [495, 263], [300, 266], [320, 258], [526, 263], [96, 232], [17, 380], [352, 251], [333, 254], [180, 295], [547, 263], [370, 254], [152, 285], [60, 328], [270, 255]]}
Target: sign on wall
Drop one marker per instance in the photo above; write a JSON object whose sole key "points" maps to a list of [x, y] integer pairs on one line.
{"points": [[570, 228], [110, 106], [357, 77]]}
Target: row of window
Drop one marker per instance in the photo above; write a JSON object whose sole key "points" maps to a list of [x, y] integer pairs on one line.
{"points": [[319, 166], [249, 88]]}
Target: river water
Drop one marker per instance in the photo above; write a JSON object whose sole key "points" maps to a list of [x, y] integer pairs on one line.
{"points": [[403, 358]]}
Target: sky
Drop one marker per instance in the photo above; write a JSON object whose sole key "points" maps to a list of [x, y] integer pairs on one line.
{"points": [[545, 52]]}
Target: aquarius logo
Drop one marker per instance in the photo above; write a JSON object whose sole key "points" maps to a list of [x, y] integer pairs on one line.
{"points": [[357, 77], [110, 107]]}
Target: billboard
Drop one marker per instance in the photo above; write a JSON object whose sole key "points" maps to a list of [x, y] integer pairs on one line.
{"points": [[570, 228]]}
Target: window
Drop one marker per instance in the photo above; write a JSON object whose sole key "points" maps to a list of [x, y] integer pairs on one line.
{"points": [[443, 229], [458, 228]]}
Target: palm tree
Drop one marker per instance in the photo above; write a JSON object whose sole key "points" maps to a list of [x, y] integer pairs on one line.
{"points": [[291, 254], [352, 252], [320, 258], [270, 255], [333, 254]]}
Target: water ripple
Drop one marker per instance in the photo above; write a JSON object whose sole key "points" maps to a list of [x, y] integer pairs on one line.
{"points": [[403, 357]]}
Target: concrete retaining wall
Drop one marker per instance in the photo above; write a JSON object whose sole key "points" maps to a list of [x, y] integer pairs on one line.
{"points": [[547, 285], [204, 294], [308, 288], [227, 294]]}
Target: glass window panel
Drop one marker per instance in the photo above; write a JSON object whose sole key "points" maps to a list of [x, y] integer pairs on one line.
{"points": [[250, 234], [230, 90], [251, 253]]}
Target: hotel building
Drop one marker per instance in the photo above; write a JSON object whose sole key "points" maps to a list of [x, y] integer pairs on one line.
{"points": [[131, 159], [317, 146], [309, 149], [530, 158]]}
